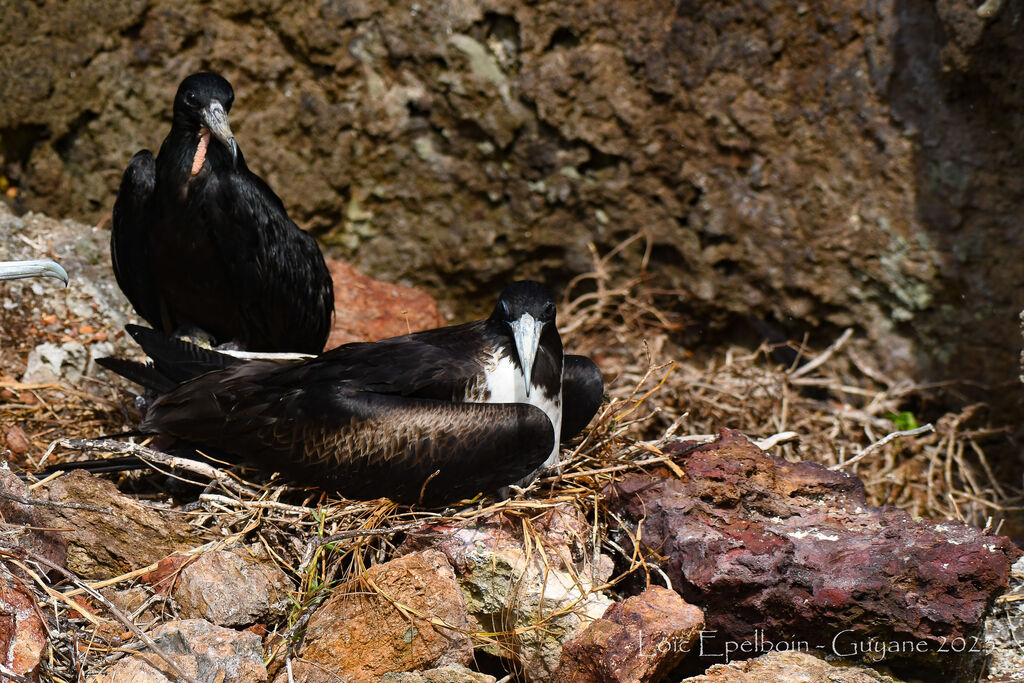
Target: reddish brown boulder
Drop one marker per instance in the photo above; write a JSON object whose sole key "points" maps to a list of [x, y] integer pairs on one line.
{"points": [[359, 635], [367, 310], [777, 551], [638, 640], [22, 632], [112, 533]]}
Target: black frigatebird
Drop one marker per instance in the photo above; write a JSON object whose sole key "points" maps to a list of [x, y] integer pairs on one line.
{"points": [[437, 415], [201, 245], [15, 270]]}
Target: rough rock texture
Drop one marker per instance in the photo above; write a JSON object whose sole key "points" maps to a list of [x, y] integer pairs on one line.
{"points": [[33, 535], [448, 674], [1004, 628], [458, 143], [774, 550], [545, 598], [359, 636], [125, 534], [236, 587], [208, 653], [22, 633], [801, 667], [367, 310], [638, 640]]}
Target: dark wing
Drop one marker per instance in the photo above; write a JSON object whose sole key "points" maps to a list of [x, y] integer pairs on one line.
{"points": [[362, 443], [582, 392], [173, 361], [130, 235], [286, 282]]}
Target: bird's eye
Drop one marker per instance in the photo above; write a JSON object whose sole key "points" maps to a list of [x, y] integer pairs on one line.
{"points": [[191, 98], [549, 311]]}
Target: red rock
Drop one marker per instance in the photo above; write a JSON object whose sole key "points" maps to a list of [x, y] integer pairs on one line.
{"points": [[37, 536], [17, 440], [163, 578], [22, 632], [791, 551], [638, 640], [121, 536], [359, 636], [367, 310], [782, 667]]}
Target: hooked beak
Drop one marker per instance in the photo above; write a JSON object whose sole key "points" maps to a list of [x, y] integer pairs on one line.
{"points": [[526, 333], [13, 270], [216, 119]]}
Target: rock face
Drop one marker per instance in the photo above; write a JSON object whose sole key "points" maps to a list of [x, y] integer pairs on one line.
{"points": [[638, 640], [360, 635], [778, 551], [232, 588], [22, 633], [775, 667], [537, 598], [207, 653], [454, 144], [367, 310], [122, 535]]}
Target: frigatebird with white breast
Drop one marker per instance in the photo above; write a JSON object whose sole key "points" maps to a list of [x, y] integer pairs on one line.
{"points": [[434, 416], [202, 246]]}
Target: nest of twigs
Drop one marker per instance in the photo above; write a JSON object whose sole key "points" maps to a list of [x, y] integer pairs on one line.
{"points": [[831, 407]]}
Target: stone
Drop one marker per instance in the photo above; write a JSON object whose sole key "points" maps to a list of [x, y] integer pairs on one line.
{"points": [[638, 640], [367, 310], [34, 535], [236, 587], [1003, 626], [776, 667], [774, 550], [453, 673], [123, 535], [204, 651], [23, 635], [539, 599], [358, 635]]}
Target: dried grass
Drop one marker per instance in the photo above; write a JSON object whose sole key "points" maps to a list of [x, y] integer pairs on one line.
{"points": [[832, 407]]}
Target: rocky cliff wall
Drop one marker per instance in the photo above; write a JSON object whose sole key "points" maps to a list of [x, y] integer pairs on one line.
{"points": [[797, 166]]}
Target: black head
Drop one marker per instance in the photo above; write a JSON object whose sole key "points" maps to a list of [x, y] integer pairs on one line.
{"points": [[197, 92], [525, 296], [202, 104]]}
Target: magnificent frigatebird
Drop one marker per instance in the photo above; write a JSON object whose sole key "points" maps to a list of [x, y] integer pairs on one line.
{"points": [[202, 246], [437, 415], [14, 270]]}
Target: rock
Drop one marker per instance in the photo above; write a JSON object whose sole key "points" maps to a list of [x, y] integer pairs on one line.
{"points": [[49, 363], [22, 632], [776, 667], [541, 604], [357, 635], [34, 535], [774, 551], [208, 653], [17, 440], [465, 144], [638, 640], [125, 534], [367, 310], [453, 673], [236, 587], [1003, 627]]}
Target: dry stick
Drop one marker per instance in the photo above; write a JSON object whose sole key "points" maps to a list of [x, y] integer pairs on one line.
{"points": [[824, 355], [122, 448], [114, 611], [881, 442]]}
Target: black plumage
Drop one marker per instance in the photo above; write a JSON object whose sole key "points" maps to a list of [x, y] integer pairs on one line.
{"points": [[201, 245], [380, 418]]}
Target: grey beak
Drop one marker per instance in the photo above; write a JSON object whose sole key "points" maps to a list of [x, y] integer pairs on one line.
{"points": [[13, 270], [526, 333], [216, 119]]}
